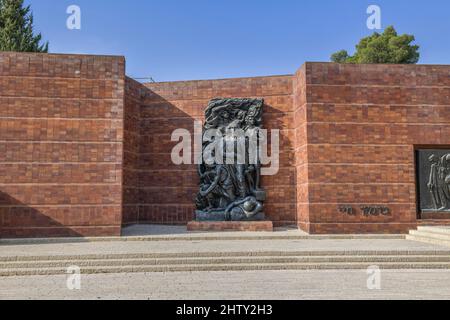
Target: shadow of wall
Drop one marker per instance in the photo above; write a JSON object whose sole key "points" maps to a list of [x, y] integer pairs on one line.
{"points": [[18, 220], [61, 133], [134, 93], [166, 190]]}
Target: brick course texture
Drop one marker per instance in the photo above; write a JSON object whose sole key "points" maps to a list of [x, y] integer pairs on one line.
{"points": [[61, 141], [85, 150], [167, 191], [364, 123]]}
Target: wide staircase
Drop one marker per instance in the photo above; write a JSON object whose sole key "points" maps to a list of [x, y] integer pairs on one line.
{"points": [[439, 235], [224, 261], [173, 249]]}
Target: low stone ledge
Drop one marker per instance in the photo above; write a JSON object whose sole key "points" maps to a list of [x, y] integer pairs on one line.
{"points": [[435, 215], [230, 226]]}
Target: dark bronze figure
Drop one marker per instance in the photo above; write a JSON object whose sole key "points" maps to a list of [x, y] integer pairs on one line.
{"points": [[439, 182], [231, 191], [434, 180]]}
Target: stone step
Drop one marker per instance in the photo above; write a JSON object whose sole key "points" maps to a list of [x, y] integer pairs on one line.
{"points": [[427, 239], [224, 260], [431, 235], [152, 255], [236, 236], [227, 267], [434, 222], [439, 230]]}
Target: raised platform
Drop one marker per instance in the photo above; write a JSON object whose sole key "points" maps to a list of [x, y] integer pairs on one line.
{"points": [[230, 226], [439, 235], [433, 222], [442, 215]]}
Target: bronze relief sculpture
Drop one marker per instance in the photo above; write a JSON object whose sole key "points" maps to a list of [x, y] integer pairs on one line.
{"points": [[439, 181], [230, 171]]}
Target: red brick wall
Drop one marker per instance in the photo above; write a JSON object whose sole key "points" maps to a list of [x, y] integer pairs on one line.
{"points": [[84, 149], [301, 150], [134, 93], [167, 190], [348, 134], [364, 122], [61, 134]]}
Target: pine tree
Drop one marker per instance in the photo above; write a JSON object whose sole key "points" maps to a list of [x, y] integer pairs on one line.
{"points": [[16, 28], [388, 47]]}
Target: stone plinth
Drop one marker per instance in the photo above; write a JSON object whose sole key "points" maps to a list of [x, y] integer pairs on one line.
{"points": [[230, 226]]}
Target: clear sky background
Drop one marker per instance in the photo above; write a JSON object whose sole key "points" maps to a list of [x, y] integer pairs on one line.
{"points": [[207, 39]]}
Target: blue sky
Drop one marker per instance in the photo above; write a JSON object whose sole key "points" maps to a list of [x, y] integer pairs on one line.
{"points": [[207, 39]]}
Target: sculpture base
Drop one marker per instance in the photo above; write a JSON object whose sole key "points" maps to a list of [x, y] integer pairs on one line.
{"points": [[219, 216], [433, 214], [230, 226]]}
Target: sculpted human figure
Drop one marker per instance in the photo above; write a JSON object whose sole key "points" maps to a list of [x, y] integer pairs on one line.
{"points": [[236, 123], [243, 209], [253, 177], [433, 181], [442, 186], [219, 116], [230, 184], [207, 175], [221, 186], [446, 179], [439, 181]]}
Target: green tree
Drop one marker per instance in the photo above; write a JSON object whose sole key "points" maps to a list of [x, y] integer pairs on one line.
{"points": [[387, 47], [16, 28], [340, 56]]}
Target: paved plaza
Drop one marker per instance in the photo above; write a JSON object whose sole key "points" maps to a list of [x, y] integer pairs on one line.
{"points": [[175, 246], [405, 284], [218, 285]]}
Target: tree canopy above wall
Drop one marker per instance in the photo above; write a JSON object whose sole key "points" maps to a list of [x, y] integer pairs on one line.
{"points": [[387, 47], [16, 28]]}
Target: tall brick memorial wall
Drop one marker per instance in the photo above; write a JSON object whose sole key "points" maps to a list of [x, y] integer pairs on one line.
{"points": [[300, 160], [85, 150], [168, 190], [364, 123], [61, 140], [134, 92]]}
